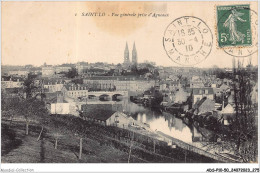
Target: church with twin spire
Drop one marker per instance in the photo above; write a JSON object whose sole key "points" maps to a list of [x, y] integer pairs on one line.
{"points": [[127, 63]]}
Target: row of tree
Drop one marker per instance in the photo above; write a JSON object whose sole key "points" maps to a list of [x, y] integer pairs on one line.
{"points": [[241, 136]]}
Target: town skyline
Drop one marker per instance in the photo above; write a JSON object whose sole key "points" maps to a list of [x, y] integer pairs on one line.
{"points": [[244, 64], [120, 60]]}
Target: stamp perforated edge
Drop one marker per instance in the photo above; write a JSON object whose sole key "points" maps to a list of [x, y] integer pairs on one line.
{"points": [[216, 29]]}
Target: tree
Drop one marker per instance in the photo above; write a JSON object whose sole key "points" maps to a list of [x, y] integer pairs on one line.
{"points": [[179, 76], [42, 117], [32, 110], [241, 136], [244, 127], [77, 81], [72, 73], [32, 90], [9, 107], [29, 86], [130, 148], [58, 129]]}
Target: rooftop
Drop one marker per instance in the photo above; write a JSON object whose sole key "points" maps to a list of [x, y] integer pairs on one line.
{"points": [[120, 78], [53, 81], [99, 114], [200, 91], [72, 86], [199, 103]]}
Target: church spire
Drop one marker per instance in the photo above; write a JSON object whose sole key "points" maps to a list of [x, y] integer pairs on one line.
{"points": [[134, 55], [126, 54], [126, 48], [134, 49]]}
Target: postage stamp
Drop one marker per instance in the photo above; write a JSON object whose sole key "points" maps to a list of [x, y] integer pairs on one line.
{"points": [[247, 50], [234, 26], [187, 40]]}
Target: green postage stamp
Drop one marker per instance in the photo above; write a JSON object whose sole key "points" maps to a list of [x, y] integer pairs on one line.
{"points": [[233, 26]]}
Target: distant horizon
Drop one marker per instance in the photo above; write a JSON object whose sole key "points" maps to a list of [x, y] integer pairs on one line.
{"points": [[119, 63]]}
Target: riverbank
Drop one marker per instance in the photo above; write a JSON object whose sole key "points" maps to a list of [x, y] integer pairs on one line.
{"points": [[100, 144], [210, 138]]}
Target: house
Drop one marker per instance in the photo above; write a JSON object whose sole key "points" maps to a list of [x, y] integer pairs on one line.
{"points": [[108, 118], [119, 83], [134, 85], [213, 85], [48, 71], [53, 85], [60, 106], [14, 92], [224, 88], [196, 82], [75, 90], [23, 73], [204, 105], [229, 109], [62, 68], [64, 108], [163, 86], [100, 82], [119, 119], [82, 67], [169, 85], [199, 93], [228, 114], [11, 82]]}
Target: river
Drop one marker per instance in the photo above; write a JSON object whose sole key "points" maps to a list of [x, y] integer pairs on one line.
{"points": [[162, 121]]}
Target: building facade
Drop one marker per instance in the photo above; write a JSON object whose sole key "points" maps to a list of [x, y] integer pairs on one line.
{"points": [[60, 69], [53, 85], [18, 73], [11, 82], [75, 90], [48, 71], [199, 93], [119, 83]]}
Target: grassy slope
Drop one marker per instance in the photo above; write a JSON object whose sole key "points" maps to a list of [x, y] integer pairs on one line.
{"points": [[100, 144], [29, 150]]}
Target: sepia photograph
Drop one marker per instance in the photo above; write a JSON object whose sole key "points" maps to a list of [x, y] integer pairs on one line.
{"points": [[129, 83]]}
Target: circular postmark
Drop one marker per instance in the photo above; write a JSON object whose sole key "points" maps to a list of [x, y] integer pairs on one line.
{"points": [[237, 31], [187, 40]]}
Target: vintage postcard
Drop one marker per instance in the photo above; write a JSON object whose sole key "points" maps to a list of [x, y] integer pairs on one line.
{"points": [[129, 82]]}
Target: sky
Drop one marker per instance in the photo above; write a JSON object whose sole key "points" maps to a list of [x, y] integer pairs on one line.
{"points": [[56, 32]]}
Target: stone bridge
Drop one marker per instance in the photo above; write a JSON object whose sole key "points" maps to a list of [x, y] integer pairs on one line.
{"points": [[109, 94]]}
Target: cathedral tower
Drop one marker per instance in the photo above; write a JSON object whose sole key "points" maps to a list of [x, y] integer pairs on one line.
{"points": [[126, 55], [134, 56]]}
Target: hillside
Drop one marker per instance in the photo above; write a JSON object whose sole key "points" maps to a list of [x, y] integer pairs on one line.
{"points": [[100, 144]]}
